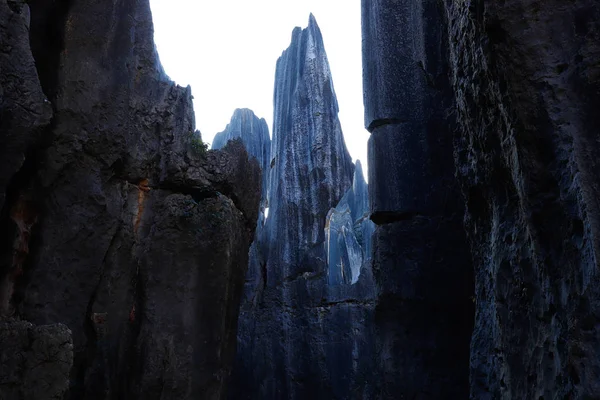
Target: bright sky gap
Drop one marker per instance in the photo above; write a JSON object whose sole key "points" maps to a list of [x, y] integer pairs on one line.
{"points": [[226, 51]]}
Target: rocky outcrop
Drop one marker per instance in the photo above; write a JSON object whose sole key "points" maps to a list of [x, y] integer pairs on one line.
{"points": [[299, 336], [254, 132], [421, 260], [348, 233], [527, 82], [35, 361], [119, 224]]}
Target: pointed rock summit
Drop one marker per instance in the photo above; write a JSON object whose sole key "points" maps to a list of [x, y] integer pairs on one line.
{"points": [[311, 167], [293, 337], [348, 233], [254, 133]]}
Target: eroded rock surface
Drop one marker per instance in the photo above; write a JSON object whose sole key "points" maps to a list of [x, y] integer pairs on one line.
{"points": [[348, 233], [299, 336], [119, 225], [527, 83]]}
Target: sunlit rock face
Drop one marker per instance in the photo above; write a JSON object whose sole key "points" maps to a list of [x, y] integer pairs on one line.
{"points": [[348, 233], [421, 259], [300, 337], [121, 241]]}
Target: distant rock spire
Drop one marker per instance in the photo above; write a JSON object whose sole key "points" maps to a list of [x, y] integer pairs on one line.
{"points": [[254, 133]]}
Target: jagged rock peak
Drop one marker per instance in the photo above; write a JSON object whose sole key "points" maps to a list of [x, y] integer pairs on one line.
{"points": [[360, 189], [311, 167], [254, 133], [252, 129]]}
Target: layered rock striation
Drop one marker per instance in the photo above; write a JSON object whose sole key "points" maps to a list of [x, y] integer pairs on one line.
{"points": [[116, 222], [299, 336], [421, 259], [348, 233], [523, 88]]}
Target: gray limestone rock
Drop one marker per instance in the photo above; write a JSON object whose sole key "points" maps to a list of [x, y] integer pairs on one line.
{"points": [[311, 167], [254, 132], [122, 226], [299, 336]]}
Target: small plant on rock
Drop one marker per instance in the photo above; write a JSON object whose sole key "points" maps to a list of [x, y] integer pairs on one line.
{"points": [[197, 144]]}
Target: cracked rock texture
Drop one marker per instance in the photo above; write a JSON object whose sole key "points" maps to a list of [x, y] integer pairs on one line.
{"points": [[116, 223], [421, 259], [35, 361], [299, 337], [526, 76]]}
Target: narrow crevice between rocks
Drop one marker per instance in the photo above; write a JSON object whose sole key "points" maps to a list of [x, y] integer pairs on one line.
{"points": [[46, 39], [127, 381], [46, 35], [83, 358], [19, 190]]}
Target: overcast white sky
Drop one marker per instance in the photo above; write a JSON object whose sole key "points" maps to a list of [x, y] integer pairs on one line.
{"points": [[227, 50]]}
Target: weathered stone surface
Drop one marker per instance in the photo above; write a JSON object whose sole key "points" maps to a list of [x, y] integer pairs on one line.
{"points": [[311, 167], [254, 132], [348, 232], [527, 83], [125, 229], [300, 337], [421, 260], [35, 361]]}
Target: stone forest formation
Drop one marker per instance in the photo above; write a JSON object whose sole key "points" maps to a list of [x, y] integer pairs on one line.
{"points": [[136, 263]]}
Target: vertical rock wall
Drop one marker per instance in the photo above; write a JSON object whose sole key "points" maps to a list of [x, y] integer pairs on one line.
{"points": [[116, 222], [421, 259], [527, 82]]}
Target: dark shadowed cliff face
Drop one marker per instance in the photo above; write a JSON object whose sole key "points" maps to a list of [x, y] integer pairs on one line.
{"points": [[299, 337], [421, 260], [116, 223], [527, 82]]}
